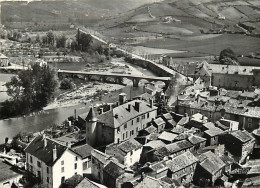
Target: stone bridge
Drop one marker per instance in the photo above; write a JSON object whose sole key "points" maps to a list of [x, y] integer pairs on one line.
{"points": [[103, 77]]}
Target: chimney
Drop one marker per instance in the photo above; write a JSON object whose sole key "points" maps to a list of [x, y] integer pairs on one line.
{"points": [[101, 110], [54, 153], [116, 116], [44, 141], [137, 106], [68, 144], [151, 103], [117, 103], [122, 98], [129, 107]]}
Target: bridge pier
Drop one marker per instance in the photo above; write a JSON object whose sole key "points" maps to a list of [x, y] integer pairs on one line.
{"points": [[135, 82]]}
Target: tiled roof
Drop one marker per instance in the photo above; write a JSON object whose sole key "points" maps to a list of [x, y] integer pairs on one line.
{"points": [[178, 146], [183, 121], [149, 182], [196, 139], [100, 156], [158, 166], [155, 144], [179, 129], [150, 129], [45, 154], [159, 121], [152, 136], [214, 132], [8, 172], [84, 151], [162, 152], [129, 145], [243, 136], [114, 169], [167, 136], [86, 183], [120, 115], [167, 116], [210, 162], [181, 161]]}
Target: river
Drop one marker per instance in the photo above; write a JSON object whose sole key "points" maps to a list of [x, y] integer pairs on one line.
{"points": [[45, 119]]}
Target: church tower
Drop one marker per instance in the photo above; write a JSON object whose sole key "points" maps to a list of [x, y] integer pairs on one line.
{"points": [[91, 127]]}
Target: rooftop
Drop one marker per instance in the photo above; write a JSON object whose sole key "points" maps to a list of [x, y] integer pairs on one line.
{"points": [[211, 162], [181, 161], [159, 121], [196, 139], [114, 169], [167, 136], [8, 172], [242, 136], [45, 154], [155, 144], [84, 151], [87, 183], [214, 132], [129, 145]]}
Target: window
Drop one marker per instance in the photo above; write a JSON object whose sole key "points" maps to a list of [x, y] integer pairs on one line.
{"points": [[31, 159], [143, 116], [31, 168], [118, 129], [75, 166], [126, 134], [123, 136], [39, 174], [47, 179], [133, 132], [62, 169], [63, 179], [136, 129], [138, 119], [249, 125], [148, 115], [47, 170], [125, 126], [132, 122], [131, 153], [62, 162], [249, 119], [39, 164], [76, 158]]}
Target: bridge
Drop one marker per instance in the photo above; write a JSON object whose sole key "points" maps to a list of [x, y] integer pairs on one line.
{"points": [[117, 78], [139, 60]]}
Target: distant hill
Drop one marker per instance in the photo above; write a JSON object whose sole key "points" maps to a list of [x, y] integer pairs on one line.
{"points": [[49, 12]]}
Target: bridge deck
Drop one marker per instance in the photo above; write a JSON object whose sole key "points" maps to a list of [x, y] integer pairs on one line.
{"points": [[115, 75]]}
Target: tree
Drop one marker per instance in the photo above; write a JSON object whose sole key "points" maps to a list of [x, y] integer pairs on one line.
{"points": [[72, 182], [50, 38], [83, 41], [65, 84], [61, 42], [30, 90], [228, 56]]}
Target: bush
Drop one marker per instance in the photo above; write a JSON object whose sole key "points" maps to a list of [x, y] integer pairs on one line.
{"points": [[66, 84]]}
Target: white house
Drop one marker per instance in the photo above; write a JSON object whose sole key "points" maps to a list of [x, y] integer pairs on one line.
{"points": [[127, 152], [52, 162]]}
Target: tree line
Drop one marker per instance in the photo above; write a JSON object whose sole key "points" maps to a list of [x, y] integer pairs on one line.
{"points": [[30, 90]]}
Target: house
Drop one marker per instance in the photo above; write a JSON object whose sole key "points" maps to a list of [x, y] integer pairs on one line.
{"points": [[159, 123], [115, 174], [232, 125], [89, 184], [170, 123], [239, 143], [99, 161], [149, 130], [149, 148], [127, 152], [157, 169], [212, 135], [167, 137], [210, 167], [8, 175], [197, 141], [51, 162], [179, 147], [3, 60], [182, 167], [148, 182], [84, 151], [118, 124]]}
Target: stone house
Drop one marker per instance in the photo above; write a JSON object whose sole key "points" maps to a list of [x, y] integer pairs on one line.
{"points": [[127, 153], [167, 137], [179, 147], [239, 143], [210, 167], [159, 123], [52, 162], [182, 167], [115, 174], [212, 135], [197, 141], [118, 124]]}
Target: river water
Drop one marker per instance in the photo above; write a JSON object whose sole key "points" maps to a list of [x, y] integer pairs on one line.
{"points": [[45, 119]]}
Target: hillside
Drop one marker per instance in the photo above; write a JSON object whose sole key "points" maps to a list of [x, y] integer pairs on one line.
{"points": [[200, 27], [24, 14]]}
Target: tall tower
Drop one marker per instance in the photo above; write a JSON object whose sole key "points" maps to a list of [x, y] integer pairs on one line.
{"points": [[91, 127]]}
